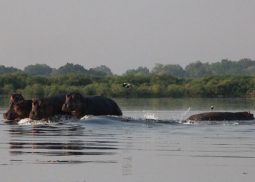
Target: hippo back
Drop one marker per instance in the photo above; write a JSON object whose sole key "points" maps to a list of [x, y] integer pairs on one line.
{"points": [[80, 105], [99, 105], [221, 116]]}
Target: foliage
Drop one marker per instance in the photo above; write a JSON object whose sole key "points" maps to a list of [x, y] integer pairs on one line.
{"points": [[221, 79], [196, 69], [175, 70], [100, 71], [38, 69], [4, 69], [70, 68], [138, 72], [141, 85]]}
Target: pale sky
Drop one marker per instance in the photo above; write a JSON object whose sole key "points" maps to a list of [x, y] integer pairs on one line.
{"points": [[125, 34]]}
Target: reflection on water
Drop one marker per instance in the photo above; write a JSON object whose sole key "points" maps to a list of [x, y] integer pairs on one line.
{"points": [[60, 140]]}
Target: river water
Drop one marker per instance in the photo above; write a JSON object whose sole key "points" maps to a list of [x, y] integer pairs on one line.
{"points": [[147, 144]]}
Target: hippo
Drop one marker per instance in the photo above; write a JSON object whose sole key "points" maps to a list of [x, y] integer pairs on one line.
{"points": [[19, 108], [45, 108], [79, 105], [14, 98], [221, 116]]}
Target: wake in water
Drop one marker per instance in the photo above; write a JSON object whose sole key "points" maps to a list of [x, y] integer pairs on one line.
{"points": [[148, 118], [57, 118], [223, 123]]}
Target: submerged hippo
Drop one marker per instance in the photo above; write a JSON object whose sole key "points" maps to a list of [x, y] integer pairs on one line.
{"points": [[221, 116], [18, 108], [44, 108], [79, 105]]}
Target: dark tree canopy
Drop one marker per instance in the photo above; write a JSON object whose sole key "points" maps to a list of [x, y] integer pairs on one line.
{"points": [[196, 69], [4, 69], [139, 71], [38, 69], [170, 69], [71, 68], [100, 71]]}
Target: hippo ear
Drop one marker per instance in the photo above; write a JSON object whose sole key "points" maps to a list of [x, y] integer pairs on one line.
{"points": [[11, 99]]}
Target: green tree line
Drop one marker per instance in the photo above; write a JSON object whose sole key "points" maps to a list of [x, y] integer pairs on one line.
{"points": [[139, 85]]}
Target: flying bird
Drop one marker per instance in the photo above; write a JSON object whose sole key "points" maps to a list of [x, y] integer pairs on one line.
{"points": [[126, 85]]}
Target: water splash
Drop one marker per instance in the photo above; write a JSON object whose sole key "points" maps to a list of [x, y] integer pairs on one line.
{"points": [[184, 115], [86, 117], [28, 121], [189, 122], [149, 116], [56, 118]]}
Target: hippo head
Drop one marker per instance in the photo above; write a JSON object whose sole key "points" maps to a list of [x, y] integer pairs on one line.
{"points": [[10, 114], [16, 98], [15, 104], [73, 103], [39, 109], [248, 115]]}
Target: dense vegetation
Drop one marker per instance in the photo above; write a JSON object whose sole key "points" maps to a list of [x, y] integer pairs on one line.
{"points": [[141, 86], [222, 79]]}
